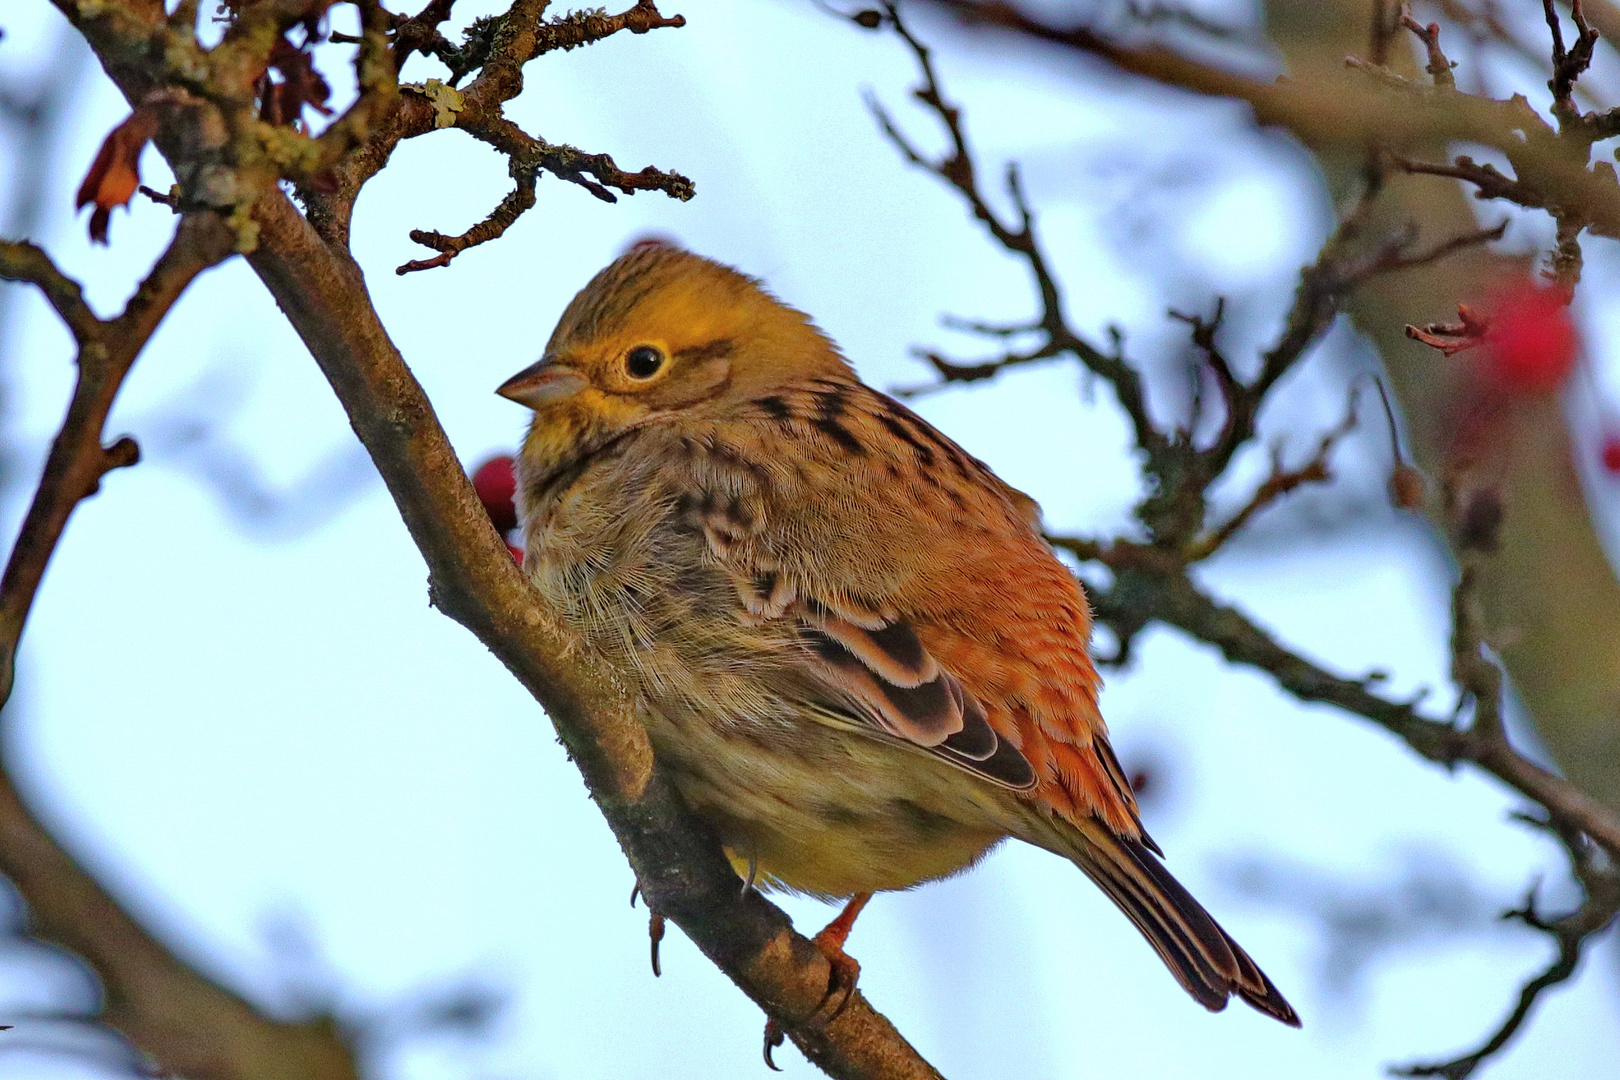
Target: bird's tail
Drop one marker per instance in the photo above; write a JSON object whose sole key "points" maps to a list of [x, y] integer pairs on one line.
{"points": [[1202, 956]]}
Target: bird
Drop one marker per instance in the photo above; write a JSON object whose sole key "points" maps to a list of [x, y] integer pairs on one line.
{"points": [[855, 655]]}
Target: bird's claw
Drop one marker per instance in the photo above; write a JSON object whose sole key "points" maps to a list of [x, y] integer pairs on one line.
{"points": [[655, 931], [843, 972], [773, 1039]]}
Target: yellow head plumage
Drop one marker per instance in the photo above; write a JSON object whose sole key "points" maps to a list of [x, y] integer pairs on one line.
{"points": [[662, 332]]}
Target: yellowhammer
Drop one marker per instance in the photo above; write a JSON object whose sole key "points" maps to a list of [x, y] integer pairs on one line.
{"points": [[858, 658]]}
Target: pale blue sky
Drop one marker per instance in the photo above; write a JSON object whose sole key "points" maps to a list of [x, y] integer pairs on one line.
{"points": [[240, 731]]}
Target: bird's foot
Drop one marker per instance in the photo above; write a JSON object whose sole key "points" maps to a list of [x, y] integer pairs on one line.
{"points": [[773, 1039], [843, 969], [843, 972]]}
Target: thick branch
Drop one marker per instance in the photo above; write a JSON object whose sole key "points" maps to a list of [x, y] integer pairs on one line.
{"points": [[1354, 109], [677, 861]]}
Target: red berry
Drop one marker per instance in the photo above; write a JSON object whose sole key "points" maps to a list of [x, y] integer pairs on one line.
{"points": [[651, 240], [1531, 343], [495, 484], [1611, 454]]}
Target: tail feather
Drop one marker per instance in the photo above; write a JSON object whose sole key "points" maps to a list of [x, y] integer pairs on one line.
{"points": [[1202, 956]]}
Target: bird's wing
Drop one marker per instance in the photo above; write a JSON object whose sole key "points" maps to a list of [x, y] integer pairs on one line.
{"points": [[925, 600]]}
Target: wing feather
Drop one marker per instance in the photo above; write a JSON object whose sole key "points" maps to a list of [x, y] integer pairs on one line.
{"points": [[915, 587]]}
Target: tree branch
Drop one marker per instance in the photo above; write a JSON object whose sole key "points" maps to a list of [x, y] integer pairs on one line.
{"points": [[1569, 934], [677, 861], [1364, 105], [178, 1017], [77, 460]]}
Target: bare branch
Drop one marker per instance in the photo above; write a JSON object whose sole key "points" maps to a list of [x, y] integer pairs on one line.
{"points": [[1151, 584], [77, 459], [1486, 178], [1439, 66], [1570, 935], [529, 156], [1280, 483], [957, 170], [181, 1019], [1352, 113], [23, 261], [514, 205], [1568, 66], [676, 858], [512, 40]]}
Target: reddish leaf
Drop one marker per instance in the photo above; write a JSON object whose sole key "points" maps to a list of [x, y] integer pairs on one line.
{"points": [[115, 174]]}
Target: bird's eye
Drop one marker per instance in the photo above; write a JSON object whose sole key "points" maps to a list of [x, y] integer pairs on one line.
{"points": [[643, 362]]}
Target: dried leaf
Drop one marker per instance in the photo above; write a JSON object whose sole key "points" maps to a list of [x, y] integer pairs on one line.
{"points": [[115, 175], [283, 102], [1407, 488]]}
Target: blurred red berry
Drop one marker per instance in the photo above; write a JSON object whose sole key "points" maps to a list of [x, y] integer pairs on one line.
{"points": [[495, 484], [1611, 454], [1531, 343], [651, 240]]}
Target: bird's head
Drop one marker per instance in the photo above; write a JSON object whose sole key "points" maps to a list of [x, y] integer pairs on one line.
{"points": [[658, 334]]}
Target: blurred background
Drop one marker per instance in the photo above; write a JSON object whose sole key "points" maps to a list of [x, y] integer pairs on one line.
{"points": [[235, 704]]}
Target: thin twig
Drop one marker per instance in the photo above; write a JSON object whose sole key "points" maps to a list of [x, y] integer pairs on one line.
{"points": [[477, 111], [1570, 934], [516, 202], [1568, 66], [1280, 483], [1439, 67]]}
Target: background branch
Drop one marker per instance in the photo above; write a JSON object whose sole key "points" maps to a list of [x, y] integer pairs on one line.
{"points": [[178, 1017]]}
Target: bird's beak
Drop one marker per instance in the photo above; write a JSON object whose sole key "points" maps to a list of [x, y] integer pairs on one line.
{"points": [[541, 382]]}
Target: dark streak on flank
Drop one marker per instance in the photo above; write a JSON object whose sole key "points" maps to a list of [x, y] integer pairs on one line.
{"points": [[831, 406], [924, 455], [775, 408], [898, 417]]}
